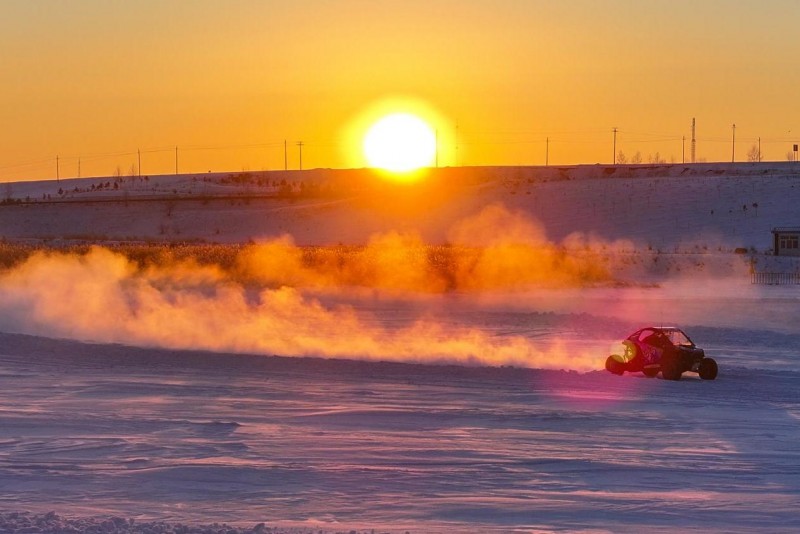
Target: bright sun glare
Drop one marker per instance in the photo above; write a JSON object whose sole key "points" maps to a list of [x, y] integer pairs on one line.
{"points": [[400, 142]]}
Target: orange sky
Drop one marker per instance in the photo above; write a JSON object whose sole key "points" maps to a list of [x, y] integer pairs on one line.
{"points": [[228, 82]]}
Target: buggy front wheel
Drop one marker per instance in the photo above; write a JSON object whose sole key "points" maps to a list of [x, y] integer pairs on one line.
{"points": [[708, 369]]}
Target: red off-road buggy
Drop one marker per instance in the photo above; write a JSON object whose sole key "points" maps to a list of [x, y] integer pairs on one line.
{"points": [[665, 349]]}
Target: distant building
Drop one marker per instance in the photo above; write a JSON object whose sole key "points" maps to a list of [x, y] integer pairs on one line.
{"points": [[787, 241]]}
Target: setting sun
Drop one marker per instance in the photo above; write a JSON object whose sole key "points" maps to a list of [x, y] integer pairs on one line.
{"points": [[400, 142]]}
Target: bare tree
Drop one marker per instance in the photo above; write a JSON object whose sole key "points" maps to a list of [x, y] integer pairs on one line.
{"points": [[637, 158], [754, 154], [621, 158]]}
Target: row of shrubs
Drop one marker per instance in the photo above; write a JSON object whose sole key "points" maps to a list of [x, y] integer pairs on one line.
{"points": [[385, 265]]}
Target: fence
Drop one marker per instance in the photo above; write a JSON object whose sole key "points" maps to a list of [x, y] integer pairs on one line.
{"points": [[775, 279]]}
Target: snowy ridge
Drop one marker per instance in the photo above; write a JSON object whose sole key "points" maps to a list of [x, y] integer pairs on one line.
{"points": [[700, 207]]}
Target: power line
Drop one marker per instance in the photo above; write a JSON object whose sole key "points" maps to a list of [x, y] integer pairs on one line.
{"points": [[522, 138]]}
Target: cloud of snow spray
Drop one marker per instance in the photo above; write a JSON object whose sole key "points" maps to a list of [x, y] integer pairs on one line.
{"points": [[271, 302]]}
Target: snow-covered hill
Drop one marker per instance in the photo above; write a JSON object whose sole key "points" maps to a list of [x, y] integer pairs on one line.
{"points": [[656, 206]]}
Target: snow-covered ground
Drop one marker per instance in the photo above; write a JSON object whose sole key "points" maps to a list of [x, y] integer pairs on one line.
{"points": [[174, 397]]}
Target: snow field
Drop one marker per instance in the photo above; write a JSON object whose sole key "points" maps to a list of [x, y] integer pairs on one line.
{"points": [[173, 397]]}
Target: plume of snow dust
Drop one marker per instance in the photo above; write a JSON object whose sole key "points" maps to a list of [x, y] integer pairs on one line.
{"points": [[493, 250], [101, 296], [390, 262], [266, 302]]}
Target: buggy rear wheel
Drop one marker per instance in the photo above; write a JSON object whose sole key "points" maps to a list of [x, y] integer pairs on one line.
{"points": [[671, 369], [708, 369], [614, 366]]}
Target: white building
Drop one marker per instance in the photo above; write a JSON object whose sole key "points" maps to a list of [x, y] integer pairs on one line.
{"points": [[787, 241]]}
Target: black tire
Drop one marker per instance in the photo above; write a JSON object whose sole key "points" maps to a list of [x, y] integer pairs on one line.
{"points": [[708, 369], [650, 372], [614, 366], [671, 369]]}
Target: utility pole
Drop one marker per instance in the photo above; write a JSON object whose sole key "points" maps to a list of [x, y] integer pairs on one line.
{"points": [[614, 159], [547, 152], [437, 148], [457, 144], [285, 157], [694, 141], [300, 145], [733, 145]]}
